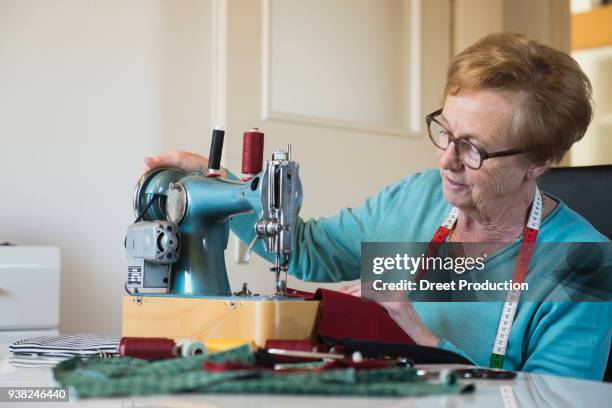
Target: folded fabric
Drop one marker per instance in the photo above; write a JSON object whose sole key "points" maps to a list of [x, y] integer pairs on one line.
{"points": [[71, 345], [26, 360], [122, 376], [344, 316]]}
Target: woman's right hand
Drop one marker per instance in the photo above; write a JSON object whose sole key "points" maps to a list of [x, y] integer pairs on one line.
{"points": [[353, 289], [190, 162]]}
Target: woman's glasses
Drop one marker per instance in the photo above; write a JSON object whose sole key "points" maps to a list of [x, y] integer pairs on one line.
{"points": [[471, 156]]}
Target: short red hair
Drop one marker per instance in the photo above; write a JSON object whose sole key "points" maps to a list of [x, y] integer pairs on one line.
{"points": [[553, 94]]}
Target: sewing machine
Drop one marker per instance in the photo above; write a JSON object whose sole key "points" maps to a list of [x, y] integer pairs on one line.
{"points": [[177, 275]]}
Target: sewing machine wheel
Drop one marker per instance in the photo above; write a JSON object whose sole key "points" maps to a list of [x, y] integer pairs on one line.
{"points": [[151, 192]]}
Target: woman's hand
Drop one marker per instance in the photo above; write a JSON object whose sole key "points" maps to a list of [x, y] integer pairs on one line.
{"points": [[353, 289], [190, 162], [404, 315]]}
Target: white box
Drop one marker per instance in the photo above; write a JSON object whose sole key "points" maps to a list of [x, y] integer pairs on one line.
{"points": [[29, 288]]}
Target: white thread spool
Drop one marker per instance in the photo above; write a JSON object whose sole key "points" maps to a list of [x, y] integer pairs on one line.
{"points": [[190, 348]]}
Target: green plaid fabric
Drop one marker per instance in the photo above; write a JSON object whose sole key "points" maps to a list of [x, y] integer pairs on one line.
{"points": [[122, 376]]}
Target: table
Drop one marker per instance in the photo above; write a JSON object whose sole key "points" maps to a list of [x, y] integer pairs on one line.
{"points": [[526, 390]]}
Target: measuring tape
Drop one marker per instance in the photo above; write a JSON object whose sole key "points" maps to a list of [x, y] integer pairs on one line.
{"points": [[520, 270], [507, 396]]}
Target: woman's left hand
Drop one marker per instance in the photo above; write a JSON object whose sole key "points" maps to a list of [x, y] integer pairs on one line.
{"points": [[404, 315], [353, 289]]}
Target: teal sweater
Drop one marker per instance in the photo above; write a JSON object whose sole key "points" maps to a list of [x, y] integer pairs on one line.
{"points": [[562, 338]]}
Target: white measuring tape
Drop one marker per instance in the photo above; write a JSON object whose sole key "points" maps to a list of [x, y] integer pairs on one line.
{"points": [[520, 270]]}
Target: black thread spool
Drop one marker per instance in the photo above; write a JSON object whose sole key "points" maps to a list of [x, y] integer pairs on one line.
{"points": [[216, 148]]}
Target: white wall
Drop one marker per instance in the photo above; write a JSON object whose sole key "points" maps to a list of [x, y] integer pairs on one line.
{"points": [[90, 87], [595, 148], [325, 53], [87, 88], [340, 165], [546, 21]]}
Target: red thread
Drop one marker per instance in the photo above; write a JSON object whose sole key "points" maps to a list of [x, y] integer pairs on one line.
{"points": [[252, 151], [147, 348]]}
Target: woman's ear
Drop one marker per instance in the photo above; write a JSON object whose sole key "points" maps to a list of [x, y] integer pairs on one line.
{"points": [[537, 169]]}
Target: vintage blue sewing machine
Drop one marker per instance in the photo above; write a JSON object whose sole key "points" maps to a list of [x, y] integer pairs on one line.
{"points": [[176, 249]]}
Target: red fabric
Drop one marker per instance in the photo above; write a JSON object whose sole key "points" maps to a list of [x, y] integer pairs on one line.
{"points": [[294, 293], [345, 316], [332, 365], [228, 366], [295, 345]]}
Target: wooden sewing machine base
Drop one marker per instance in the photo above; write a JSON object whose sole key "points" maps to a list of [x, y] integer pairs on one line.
{"points": [[230, 318]]}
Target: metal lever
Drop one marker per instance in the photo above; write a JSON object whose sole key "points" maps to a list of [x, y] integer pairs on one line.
{"points": [[247, 254]]}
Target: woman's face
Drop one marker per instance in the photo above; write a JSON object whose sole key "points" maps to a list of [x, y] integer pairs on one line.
{"points": [[484, 118]]}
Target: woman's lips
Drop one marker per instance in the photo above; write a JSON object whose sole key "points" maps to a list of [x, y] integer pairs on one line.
{"points": [[454, 184]]}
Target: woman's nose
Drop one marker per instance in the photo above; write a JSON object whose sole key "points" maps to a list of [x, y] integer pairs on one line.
{"points": [[449, 159]]}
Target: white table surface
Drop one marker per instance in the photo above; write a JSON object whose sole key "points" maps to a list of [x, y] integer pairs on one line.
{"points": [[526, 390]]}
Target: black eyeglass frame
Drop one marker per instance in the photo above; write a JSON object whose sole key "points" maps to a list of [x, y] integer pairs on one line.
{"points": [[484, 155]]}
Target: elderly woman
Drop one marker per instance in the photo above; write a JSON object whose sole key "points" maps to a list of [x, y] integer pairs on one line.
{"points": [[512, 107]]}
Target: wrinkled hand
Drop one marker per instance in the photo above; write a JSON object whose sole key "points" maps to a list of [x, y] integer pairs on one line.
{"points": [[190, 162], [353, 289], [404, 315]]}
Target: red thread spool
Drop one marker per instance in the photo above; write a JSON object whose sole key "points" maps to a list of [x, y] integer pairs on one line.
{"points": [[252, 151], [147, 348]]}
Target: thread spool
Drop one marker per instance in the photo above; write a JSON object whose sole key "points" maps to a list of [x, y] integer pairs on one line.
{"points": [[147, 348], [180, 342], [252, 151], [190, 348], [218, 345], [216, 148], [447, 377]]}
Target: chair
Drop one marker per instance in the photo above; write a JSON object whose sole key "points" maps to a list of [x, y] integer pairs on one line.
{"points": [[588, 191]]}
